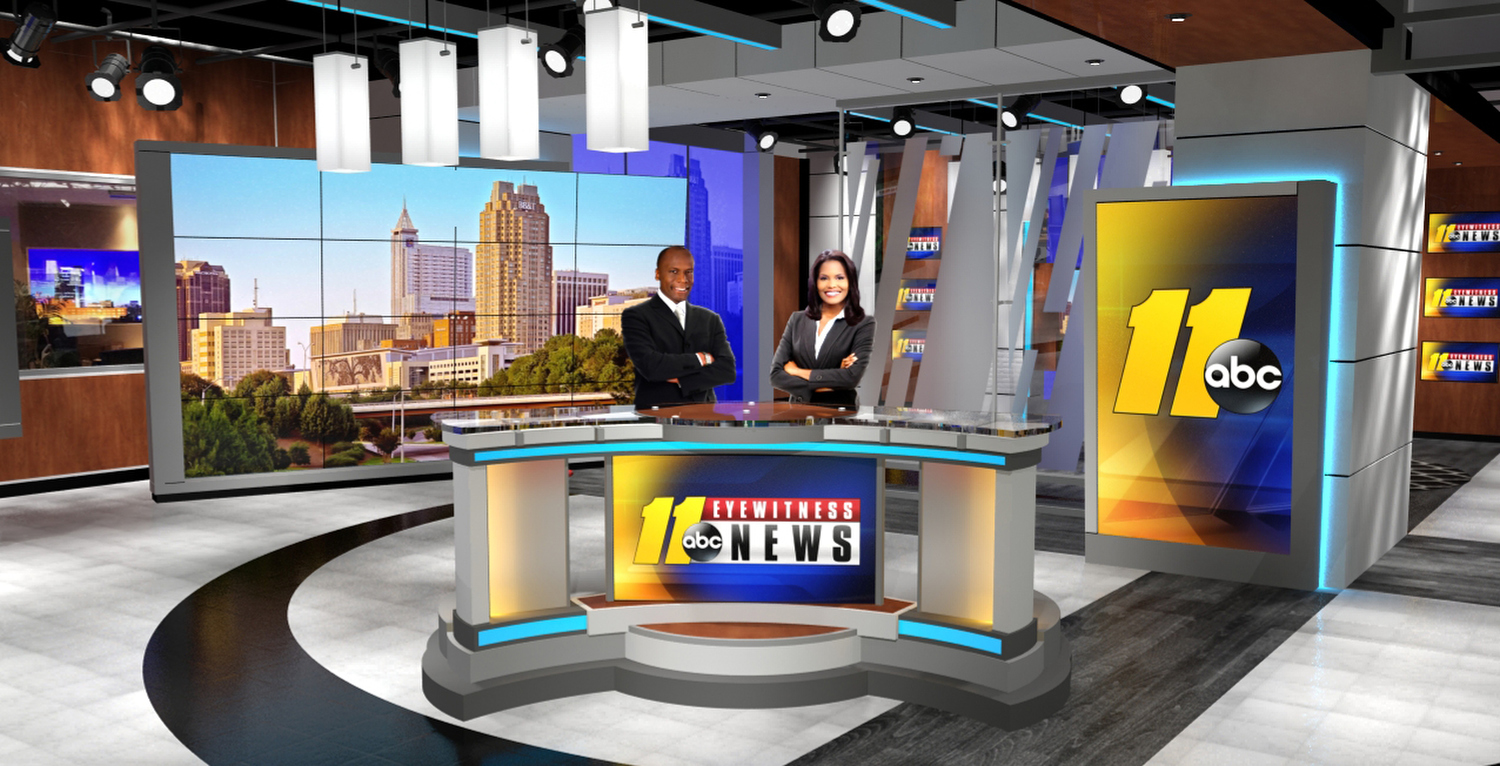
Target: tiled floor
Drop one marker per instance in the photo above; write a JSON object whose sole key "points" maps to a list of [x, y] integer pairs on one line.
{"points": [[1472, 513], [404, 576]]}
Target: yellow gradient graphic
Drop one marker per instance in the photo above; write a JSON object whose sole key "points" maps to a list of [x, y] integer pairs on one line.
{"points": [[1154, 323], [1215, 320], [653, 530], [688, 513]]}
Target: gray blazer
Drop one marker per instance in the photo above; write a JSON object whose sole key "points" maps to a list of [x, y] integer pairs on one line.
{"points": [[797, 343]]}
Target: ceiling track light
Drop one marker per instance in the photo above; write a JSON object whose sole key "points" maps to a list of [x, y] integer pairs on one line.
{"points": [[903, 122], [558, 57], [1132, 94], [838, 20], [765, 139], [26, 41], [1013, 117], [104, 83], [156, 85]]}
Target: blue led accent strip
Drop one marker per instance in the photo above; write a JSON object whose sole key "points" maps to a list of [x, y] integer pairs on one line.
{"points": [[1162, 101], [965, 638], [918, 127], [712, 33], [982, 102], [383, 17], [913, 15], [869, 116], [613, 448], [1333, 427], [1035, 116], [520, 630]]}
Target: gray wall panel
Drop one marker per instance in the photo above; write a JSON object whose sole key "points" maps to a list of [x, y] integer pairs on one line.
{"points": [[1377, 395], [10, 368], [823, 195], [1388, 289], [1377, 501]]}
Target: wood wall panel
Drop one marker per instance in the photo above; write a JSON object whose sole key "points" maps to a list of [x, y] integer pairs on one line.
{"points": [[77, 424], [1459, 408], [55, 125], [787, 222]]}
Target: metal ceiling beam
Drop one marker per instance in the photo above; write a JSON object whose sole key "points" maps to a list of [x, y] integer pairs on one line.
{"points": [[1461, 97], [705, 19], [266, 25], [149, 21], [300, 45], [1365, 20]]}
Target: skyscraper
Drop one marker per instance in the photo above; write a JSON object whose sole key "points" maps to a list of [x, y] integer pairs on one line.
{"points": [[513, 263], [202, 288], [699, 234], [571, 289], [427, 279]]}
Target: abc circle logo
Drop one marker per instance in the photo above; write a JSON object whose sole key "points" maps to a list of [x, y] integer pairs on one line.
{"points": [[1243, 376], [702, 542]]}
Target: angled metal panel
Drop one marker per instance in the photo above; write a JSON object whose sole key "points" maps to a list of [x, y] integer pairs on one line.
{"points": [[1071, 240], [894, 262]]}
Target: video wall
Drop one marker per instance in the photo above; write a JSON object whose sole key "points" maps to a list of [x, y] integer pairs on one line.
{"points": [[325, 319], [1196, 339]]}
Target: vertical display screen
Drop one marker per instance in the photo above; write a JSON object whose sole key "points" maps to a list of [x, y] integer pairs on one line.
{"points": [[1463, 233], [1196, 329], [745, 528], [1459, 362]]}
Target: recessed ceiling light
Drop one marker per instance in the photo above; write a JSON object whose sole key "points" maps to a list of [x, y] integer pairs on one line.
{"points": [[1178, 16], [762, 95], [1094, 62], [1458, 163], [1438, 153], [915, 80]]}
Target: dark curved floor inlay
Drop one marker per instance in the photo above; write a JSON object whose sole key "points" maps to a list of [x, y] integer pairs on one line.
{"points": [[228, 678]]}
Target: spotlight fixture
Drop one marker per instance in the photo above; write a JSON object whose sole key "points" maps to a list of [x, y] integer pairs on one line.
{"points": [[557, 58], [387, 61], [1178, 16], [1438, 153], [1094, 62], [903, 122], [156, 85], [1457, 163], [838, 20], [104, 83], [1011, 118], [765, 140], [30, 32], [1132, 94], [915, 80], [762, 95]]}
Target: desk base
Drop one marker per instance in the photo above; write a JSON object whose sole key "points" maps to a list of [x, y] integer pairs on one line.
{"points": [[811, 669]]}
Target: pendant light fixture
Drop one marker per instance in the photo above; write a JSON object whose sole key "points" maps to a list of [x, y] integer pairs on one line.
{"points": [[617, 81], [429, 103], [341, 114], [509, 119]]}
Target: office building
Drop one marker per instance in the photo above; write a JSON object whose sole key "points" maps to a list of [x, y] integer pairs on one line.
{"points": [[603, 312], [352, 332], [202, 288], [513, 267], [228, 346], [426, 279], [571, 289]]}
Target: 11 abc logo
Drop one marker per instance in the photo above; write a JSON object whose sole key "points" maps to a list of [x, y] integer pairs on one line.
{"points": [[702, 542], [1243, 376]]}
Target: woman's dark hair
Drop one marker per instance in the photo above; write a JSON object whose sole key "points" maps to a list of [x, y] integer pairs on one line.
{"points": [[853, 314]]}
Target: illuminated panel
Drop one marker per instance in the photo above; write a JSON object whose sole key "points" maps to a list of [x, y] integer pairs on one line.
{"points": [[1463, 233], [537, 628], [1201, 456], [946, 635], [1461, 298], [1459, 362], [745, 528], [528, 525]]}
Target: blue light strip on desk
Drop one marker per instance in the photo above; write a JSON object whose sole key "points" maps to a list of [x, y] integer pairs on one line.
{"points": [[533, 629], [965, 638], [612, 448]]}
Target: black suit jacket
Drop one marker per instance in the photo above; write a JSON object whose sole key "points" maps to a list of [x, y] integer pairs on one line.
{"points": [[797, 343], [661, 350]]}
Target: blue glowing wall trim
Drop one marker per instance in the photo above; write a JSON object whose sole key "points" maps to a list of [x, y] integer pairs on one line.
{"points": [[520, 630], [982, 102], [918, 126], [1162, 101], [1035, 116], [913, 15], [929, 632], [383, 17], [869, 116], [1334, 430], [585, 449], [712, 33]]}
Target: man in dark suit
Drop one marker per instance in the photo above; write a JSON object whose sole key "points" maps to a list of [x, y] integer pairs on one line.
{"points": [[680, 352]]}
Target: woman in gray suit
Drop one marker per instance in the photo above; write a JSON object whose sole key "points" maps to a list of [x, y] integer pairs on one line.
{"points": [[824, 350]]}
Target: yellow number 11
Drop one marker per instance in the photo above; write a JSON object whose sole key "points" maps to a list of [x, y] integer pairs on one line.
{"points": [[1155, 326], [654, 529]]}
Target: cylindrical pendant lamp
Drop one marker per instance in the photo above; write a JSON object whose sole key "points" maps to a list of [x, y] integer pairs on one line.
{"points": [[508, 102], [618, 113], [341, 112], [429, 102]]}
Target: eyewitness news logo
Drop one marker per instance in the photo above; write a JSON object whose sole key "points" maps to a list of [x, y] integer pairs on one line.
{"points": [[750, 531], [925, 242], [916, 295], [1459, 362], [1465, 298]]}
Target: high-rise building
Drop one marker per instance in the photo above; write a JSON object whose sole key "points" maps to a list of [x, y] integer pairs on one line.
{"points": [[698, 236], [352, 332], [427, 279], [456, 329], [728, 274], [228, 346], [603, 312], [571, 289], [513, 266], [202, 288]]}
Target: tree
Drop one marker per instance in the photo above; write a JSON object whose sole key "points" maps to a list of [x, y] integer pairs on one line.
{"points": [[496, 385], [434, 433], [287, 416], [266, 396], [195, 388], [281, 459], [386, 441], [320, 419], [224, 437], [299, 454], [248, 384]]}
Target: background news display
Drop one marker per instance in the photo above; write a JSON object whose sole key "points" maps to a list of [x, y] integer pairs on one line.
{"points": [[1463, 233], [908, 343], [1459, 362], [1462, 298], [325, 319], [1194, 376], [916, 295], [925, 242], [745, 528]]}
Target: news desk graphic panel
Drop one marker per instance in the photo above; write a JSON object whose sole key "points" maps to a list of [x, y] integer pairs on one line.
{"points": [[916, 295], [1462, 298], [1463, 233], [783, 528], [1459, 362], [1196, 328]]}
